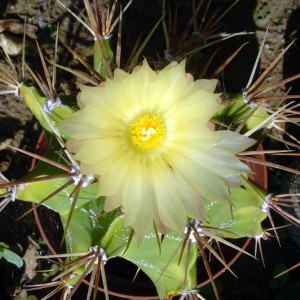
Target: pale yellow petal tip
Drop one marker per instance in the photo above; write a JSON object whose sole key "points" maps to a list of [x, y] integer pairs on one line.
{"points": [[144, 67], [152, 147]]}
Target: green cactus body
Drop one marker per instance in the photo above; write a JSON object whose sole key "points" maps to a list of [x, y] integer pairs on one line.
{"points": [[36, 103], [98, 59], [237, 111]]}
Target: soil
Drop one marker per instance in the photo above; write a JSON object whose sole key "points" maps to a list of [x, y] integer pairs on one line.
{"points": [[18, 128]]}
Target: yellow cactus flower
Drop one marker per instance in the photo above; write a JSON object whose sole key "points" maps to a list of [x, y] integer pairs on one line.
{"points": [[147, 136]]}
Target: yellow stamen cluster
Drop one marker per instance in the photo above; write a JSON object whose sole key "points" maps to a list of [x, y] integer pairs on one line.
{"points": [[146, 132]]}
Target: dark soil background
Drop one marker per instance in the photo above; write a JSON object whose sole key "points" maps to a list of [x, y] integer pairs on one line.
{"points": [[18, 128]]}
